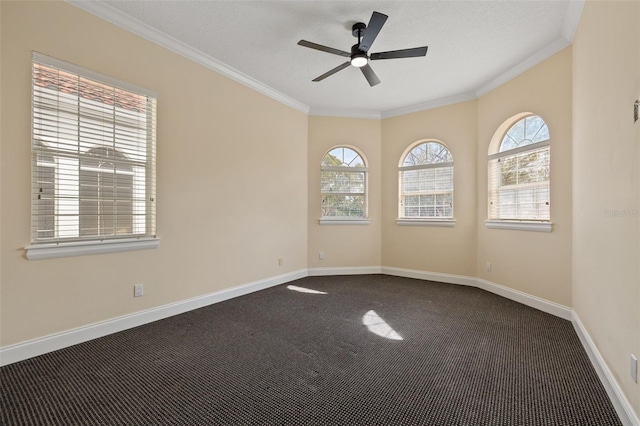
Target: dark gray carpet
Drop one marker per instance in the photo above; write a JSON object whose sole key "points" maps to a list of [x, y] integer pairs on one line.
{"points": [[281, 357]]}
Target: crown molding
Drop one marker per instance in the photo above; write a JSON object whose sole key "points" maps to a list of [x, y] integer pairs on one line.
{"points": [[548, 51], [331, 112], [572, 19], [423, 106], [110, 14]]}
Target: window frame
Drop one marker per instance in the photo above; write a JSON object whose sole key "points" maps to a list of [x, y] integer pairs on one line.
{"points": [[140, 214], [493, 188], [346, 220], [438, 221]]}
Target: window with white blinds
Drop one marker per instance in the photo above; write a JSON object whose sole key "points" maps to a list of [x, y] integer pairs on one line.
{"points": [[426, 182], [93, 156], [343, 184], [519, 173]]}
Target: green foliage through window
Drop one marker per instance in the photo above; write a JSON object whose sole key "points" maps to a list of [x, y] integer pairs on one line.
{"points": [[343, 184]]}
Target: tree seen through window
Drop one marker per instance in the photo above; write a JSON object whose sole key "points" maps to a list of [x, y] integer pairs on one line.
{"points": [[343, 184]]}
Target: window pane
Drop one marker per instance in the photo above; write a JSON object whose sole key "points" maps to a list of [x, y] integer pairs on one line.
{"points": [[523, 193], [429, 187], [344, 191], [529, 130], [427, 153], [350, 182], [343, 206], [344, 157], [45, 204], [100, 143]]}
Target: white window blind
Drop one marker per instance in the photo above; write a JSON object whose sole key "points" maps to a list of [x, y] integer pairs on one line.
{"points": [[343, 184], [426, 182], [93, 156], [519, 173]]}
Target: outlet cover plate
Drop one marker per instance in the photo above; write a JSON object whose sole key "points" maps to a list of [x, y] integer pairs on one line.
{"points": [[138, 290]]}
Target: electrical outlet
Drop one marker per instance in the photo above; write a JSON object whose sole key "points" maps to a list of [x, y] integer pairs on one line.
{"points": [[488, 266], [321, 255], [138, 290], [280, 262], [634, 368]]}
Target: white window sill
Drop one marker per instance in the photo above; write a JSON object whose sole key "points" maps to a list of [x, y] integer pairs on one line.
{"points": [[520, 225], [344, 221], [449, 223], [82, 248]]}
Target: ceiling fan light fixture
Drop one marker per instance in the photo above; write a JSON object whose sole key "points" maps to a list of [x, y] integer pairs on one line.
{"points": [[359, 60]]}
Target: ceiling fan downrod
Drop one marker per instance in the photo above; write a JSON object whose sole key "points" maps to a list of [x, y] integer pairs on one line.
{"points": [[358, 57]]}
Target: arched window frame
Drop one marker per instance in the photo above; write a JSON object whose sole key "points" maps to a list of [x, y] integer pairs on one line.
{"points": [[530, 207], [438, 206], [352, 170]]}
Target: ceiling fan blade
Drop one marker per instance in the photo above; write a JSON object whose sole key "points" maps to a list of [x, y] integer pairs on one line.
{"points": [[322, 48], [375, 25], [333, 71], [371, 76], [404, 53]]}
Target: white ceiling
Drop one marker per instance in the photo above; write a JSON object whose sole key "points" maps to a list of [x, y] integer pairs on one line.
{"points": [[473, 46]]}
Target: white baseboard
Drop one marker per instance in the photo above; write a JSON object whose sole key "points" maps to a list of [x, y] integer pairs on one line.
{"points": [[538, 303], [42, 345], [429, 276], [506, 292], [620, 402], [39, 346], [351, 270]]}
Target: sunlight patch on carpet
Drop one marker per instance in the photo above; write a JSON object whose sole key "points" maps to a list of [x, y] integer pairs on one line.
{"points": [[304, 290], [378, 326]]}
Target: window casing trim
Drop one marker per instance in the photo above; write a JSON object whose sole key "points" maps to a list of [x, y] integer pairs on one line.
{"points": [[521, 225], [402, 219], [426, 166], [74, 243], [343, 221], [364, 170], [81, 248], [519, 150], [541, 224], [443, 223]]}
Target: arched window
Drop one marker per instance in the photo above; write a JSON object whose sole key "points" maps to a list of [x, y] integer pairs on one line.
{"points": [[519, 170], [426, 182], [343, 184]]}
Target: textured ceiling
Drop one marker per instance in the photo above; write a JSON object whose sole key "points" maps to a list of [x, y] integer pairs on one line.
{"points": [[473, 45]]}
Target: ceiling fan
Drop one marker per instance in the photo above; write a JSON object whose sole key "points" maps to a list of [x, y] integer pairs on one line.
{"points": [[359, 56]]}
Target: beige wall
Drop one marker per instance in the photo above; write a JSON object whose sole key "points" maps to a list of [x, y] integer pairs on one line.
{"points": [[239, 178], [0, 171], [231, 189], [344, 245], [533, 262], [429, 248], [606, 242]]}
